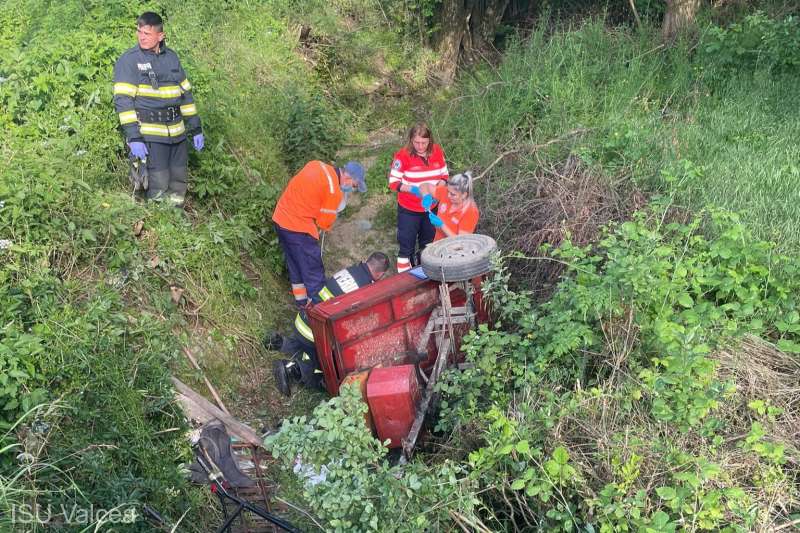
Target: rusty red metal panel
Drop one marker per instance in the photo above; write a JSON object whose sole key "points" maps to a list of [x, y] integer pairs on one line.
{"points": [[415, 301], [393, 395], [378, 325], [382, 348], [390, 346], [367, 327], [363, 321]]}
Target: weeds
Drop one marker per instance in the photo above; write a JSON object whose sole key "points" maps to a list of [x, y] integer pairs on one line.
{"points": [[646, 111], [609, 406]]}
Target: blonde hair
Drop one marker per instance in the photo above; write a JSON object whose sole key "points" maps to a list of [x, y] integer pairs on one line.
{"points": [[461, 182]]}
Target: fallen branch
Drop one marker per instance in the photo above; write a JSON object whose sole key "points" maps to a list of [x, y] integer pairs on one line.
{"points": [[241, 429], [210, 387], [787, 524], [532, 148], [635, 13]]}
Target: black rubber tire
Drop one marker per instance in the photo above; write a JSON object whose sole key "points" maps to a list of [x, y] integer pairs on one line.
{"points": [[458, 258]]}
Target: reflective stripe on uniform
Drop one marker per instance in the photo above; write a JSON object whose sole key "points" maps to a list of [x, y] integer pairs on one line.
{"points": [[303, 328], [421, 174], [188, 110], [330, 180], [299, 291], [162, 130], [403, 264], [186, 86], [333, 211], [127, 89], [325, 293], [128, 117], [423, 182], [168, 91]]}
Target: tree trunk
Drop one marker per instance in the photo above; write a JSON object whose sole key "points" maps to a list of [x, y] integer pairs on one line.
{"points": [[467, 28], [451, 36], [485, 18], [679, 15]]}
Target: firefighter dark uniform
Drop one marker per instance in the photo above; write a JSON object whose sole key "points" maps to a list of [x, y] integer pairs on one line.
{"points": [[414, 230], [300, 345], [153, 99]]}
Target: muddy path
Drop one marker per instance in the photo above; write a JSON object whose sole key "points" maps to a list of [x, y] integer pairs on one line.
{"points": [[368, 223]]}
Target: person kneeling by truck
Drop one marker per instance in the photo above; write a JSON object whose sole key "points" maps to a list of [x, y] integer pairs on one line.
{"points": [[303, 367]]}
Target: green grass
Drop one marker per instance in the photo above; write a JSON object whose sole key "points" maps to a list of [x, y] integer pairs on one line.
{"points": [[85, 307], [744, 135], [640, 110], [86, 310]]}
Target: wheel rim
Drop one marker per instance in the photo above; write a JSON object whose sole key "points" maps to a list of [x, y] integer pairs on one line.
{"points": [[461, 247]]}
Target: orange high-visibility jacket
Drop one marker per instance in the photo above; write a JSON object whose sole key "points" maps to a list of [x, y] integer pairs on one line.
{"points": [[459, 221], [311, 199]]}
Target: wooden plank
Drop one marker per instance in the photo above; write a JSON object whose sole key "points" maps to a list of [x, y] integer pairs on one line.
{"points": [[210, 387], [240, 429], [193, 412]]}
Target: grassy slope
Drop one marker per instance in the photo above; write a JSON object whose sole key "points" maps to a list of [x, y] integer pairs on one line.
{"points": [[646, 111], [86, 304], [62, 176]]}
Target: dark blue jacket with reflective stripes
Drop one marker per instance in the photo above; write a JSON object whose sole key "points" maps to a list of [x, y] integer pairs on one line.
{"points": [[346, 280], [153, 97]]}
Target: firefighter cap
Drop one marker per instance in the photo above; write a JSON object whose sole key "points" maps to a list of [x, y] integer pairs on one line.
{"points": [[356, 171]]}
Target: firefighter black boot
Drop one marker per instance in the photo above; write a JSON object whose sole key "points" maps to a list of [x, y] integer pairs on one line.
{"points": [[272, 341], [285, 372]]}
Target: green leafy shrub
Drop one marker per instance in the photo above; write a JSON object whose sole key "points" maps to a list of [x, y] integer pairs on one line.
{"points": [[758, 42], [313, 131], [621, 370], [348, 482]]}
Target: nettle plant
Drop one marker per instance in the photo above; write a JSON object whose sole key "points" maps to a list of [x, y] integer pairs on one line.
{"points": [[632, 330], [348, 482]]}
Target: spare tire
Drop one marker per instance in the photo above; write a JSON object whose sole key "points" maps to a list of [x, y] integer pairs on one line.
{"points": [[458, 258]]}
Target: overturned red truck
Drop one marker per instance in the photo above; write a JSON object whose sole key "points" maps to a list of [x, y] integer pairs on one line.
{"points": [[395, 336]]}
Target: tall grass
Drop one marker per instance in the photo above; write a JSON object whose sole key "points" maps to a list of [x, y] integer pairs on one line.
{"points": [[641, 110]]}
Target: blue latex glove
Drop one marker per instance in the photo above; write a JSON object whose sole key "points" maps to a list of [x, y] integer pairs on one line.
{"points": [[138, 150], [199, 141], [427, 202], [415, 191], [436, 221]]}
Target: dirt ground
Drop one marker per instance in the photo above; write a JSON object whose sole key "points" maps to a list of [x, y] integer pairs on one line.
{"points": [[349, 241]]}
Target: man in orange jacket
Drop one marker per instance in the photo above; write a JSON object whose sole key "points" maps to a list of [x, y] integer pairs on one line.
{"points": [[312, 199]]}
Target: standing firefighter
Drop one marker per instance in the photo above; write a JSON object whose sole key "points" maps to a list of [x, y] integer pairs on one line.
{"points": [[153, 99], [311, 200]]}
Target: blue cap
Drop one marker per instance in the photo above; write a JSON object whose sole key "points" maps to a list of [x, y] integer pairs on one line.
{"points": [[356, 171]]}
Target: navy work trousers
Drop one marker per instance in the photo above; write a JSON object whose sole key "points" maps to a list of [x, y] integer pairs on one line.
{"points": [[414, 233], [303, 261], [167, 170]]}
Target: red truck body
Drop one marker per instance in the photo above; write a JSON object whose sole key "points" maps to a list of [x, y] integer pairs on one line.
{"points": [[378, 327]]}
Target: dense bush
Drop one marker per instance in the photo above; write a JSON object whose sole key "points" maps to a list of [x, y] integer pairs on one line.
{"points": [[347, 479], [607, 406], [87, 341], [612, 407], [757, 42]]}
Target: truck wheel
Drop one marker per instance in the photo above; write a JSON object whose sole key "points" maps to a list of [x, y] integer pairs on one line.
{"points": [[458, 258]]}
